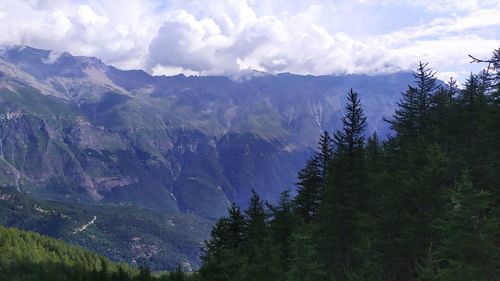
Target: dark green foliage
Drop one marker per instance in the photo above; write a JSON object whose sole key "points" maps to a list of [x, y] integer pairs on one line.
{"points": [[429, 268], [310, 189], [283, 223], [338, 226], [302, 262], [312, 179], [177, 275], [351, 138], [30, 256], [260, 262], [222, 256], [27, 256], [421, 205], [176, 237], [471, 223], [411, 120]]}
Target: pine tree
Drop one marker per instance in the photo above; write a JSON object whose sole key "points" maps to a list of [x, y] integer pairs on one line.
{"points": [[323, 156], [312, 179], [283, 223], [375, 171], [255, 217], [440, 117], [477, 133], [429, 267], [405, 119], [176, 275], [339, 214], [411, 117], [471, 93], [495, 84], [309, 190], [417, 177], [384, 210], [144, 274], [122, 275], [350, 140], [491, 76], [260, 254], [103, 274], [483, 160], [471, 248], [303, 264], [222, 254]]}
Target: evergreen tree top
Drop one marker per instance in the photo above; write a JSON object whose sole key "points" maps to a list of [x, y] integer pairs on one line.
{"points": [[352, 135]]}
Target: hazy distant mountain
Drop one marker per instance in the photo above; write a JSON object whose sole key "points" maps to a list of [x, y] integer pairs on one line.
{"points": [[75, 129]]}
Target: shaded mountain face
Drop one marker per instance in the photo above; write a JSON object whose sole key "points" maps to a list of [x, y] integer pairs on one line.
{"points": [[75, 129]]}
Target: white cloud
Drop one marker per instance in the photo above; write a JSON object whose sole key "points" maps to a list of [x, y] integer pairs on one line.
{"points": [[53, 56], [88, 17], [188, 43], [240, 40], [439, 5], [116, 32], [443, 26], [454, 5], [227, 36]]}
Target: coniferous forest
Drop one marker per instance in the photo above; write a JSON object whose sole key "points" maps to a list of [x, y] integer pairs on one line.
{"points": [[423, 204], [420, 204], [28, 256]]}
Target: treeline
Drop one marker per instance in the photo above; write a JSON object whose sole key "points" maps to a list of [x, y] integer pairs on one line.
{"points": [[28, 256], [424, 204]]}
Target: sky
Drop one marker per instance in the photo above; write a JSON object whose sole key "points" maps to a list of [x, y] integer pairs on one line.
{"points": [[226, 37]]}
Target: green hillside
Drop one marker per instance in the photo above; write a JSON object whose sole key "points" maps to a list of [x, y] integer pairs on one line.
{"points": [[122, 233], [28, 256]]}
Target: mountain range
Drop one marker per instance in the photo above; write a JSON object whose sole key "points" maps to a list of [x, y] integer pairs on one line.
{"points": [[77, 133]]}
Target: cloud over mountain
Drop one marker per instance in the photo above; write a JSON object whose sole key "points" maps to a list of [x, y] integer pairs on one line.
{"points": [[224, 37]]}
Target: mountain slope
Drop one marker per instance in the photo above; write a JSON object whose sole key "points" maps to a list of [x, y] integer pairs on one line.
{"points": [[30, 256], [143, 152], [72, 127], [122, 233]]}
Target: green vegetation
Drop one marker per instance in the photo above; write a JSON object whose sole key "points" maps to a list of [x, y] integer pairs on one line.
{"points": [[27, 256], [122, 233], [28, 99], [422, 205]]}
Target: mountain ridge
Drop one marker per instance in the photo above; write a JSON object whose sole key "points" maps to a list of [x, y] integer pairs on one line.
{"points": [[80, 132], [112, 109]]}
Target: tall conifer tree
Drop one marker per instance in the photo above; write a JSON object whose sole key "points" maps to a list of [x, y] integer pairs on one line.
{"points": [[338, 215]]}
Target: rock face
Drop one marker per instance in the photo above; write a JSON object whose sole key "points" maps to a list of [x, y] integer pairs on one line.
{"points": [[73, 128]]}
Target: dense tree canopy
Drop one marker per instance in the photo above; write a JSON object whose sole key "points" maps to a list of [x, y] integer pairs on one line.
{"points": [[28, 256], [421, 205]]}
